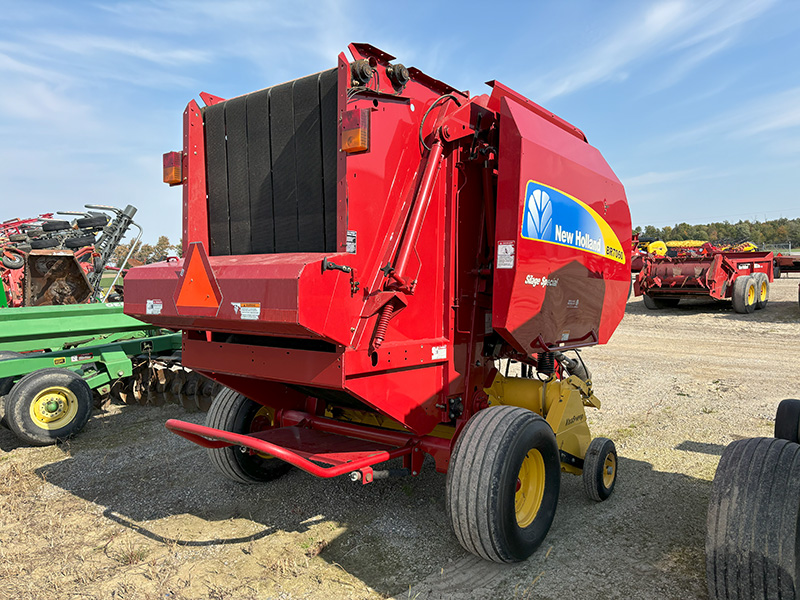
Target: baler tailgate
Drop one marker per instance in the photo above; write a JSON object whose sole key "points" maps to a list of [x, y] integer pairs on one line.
{"points": [[302, 447]]}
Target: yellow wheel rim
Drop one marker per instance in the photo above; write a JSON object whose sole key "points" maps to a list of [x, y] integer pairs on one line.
{"points": [[609, 470], [751, 294], [763, 294], [267, 413], [530, 488], [54, 408]]}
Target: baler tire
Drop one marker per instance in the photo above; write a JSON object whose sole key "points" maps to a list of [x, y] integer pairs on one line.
{"points": [[659, 303], [776, 271], [56, 225], [492, 518], [90, 222], [787, 421], [601, 456], [42, 243], [18, 237], [231, 411], [34, 232], [741, 295], [32, 425], [762, 290], [752, 525], [79, 242]]}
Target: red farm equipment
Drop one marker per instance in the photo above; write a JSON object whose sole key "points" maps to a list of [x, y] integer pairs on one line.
{"points": [[704, 272], [362, 246]]}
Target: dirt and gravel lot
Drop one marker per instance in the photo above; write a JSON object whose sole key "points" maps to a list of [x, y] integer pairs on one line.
{"points": [[129, 511]]}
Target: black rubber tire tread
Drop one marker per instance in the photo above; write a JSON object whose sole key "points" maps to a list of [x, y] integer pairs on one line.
{"points": [[658, 303], [34, 231], [17, 405], [7, 382], [776, 271], [759, 278], [787, 420], [752, 521], [231, 411], [480, 483], [56, 225], [17, 262], [741, 285], [79, 241], [593, 465], [24, 247], [18, 237], [99, 221], [42, 243]]}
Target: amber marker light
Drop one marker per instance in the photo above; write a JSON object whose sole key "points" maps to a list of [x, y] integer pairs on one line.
{"points": [[355, 130], [173, 172]]}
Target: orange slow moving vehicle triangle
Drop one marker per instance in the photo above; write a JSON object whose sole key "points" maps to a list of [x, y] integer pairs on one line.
{"points": [[197, 290]]}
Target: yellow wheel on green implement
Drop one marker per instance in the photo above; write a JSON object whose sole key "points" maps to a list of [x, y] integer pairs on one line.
{"points": [[48, 405]]}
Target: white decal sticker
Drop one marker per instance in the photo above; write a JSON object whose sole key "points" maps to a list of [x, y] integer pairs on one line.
{"points": [[154, 307], [505, 254], [542, 281], [247, 311], [352, 242], [438, 352]]}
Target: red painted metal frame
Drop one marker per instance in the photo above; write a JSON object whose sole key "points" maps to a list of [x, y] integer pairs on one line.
{"points": [[420, 278], [389, 444]]}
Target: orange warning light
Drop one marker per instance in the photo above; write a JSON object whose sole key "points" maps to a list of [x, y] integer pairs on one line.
{"points": [[355, 130], [173, 171]]}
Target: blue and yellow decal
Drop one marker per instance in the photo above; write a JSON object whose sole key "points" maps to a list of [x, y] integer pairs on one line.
{"points": [[555, 217]]}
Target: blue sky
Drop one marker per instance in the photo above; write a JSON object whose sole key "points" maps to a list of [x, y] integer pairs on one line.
{"points": [[695, 104]]}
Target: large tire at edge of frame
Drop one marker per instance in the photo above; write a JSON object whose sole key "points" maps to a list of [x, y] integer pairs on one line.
{"points": [[503, 483], [752, 522], [48, 405], [787, 420], [231, 411]]}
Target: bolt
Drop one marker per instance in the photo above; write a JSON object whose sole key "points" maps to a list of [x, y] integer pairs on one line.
{"points": [[609, 470], [413, 472], [416, 449], [120, 373], [352, 329]]}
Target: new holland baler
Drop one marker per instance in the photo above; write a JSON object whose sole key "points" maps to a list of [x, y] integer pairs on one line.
{"points": [[362, 246]]}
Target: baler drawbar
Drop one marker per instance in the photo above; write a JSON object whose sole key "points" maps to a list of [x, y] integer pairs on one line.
{"points": [[363, 247]]}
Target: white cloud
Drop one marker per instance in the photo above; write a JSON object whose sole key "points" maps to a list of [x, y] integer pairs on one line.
{"points": [[694, 31]]}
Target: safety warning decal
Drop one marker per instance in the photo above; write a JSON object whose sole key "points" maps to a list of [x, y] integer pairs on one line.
{"points": [[247, 311]]}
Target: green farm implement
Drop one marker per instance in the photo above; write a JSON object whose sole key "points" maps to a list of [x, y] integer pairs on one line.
{"points": [[56, 362]]}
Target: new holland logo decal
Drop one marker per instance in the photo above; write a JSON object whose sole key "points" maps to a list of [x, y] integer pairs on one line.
{"points": [[555, 217]]}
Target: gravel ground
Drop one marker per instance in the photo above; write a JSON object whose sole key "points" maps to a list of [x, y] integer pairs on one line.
{"points": [[128, 510]]}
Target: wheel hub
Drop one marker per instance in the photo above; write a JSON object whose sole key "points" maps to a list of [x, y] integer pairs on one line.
{"points": [[529, 488], [54, 408]]}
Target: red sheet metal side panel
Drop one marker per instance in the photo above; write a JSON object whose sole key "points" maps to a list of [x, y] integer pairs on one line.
{"points": [[562, 266], [320, 369]]}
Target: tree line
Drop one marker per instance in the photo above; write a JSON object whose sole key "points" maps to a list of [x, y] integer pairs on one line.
{"points": [[144, 254], [777, 231]]}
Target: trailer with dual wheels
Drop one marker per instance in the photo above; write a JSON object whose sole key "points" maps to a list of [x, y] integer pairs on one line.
{"points": [[741, 277], [362, 247]]}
